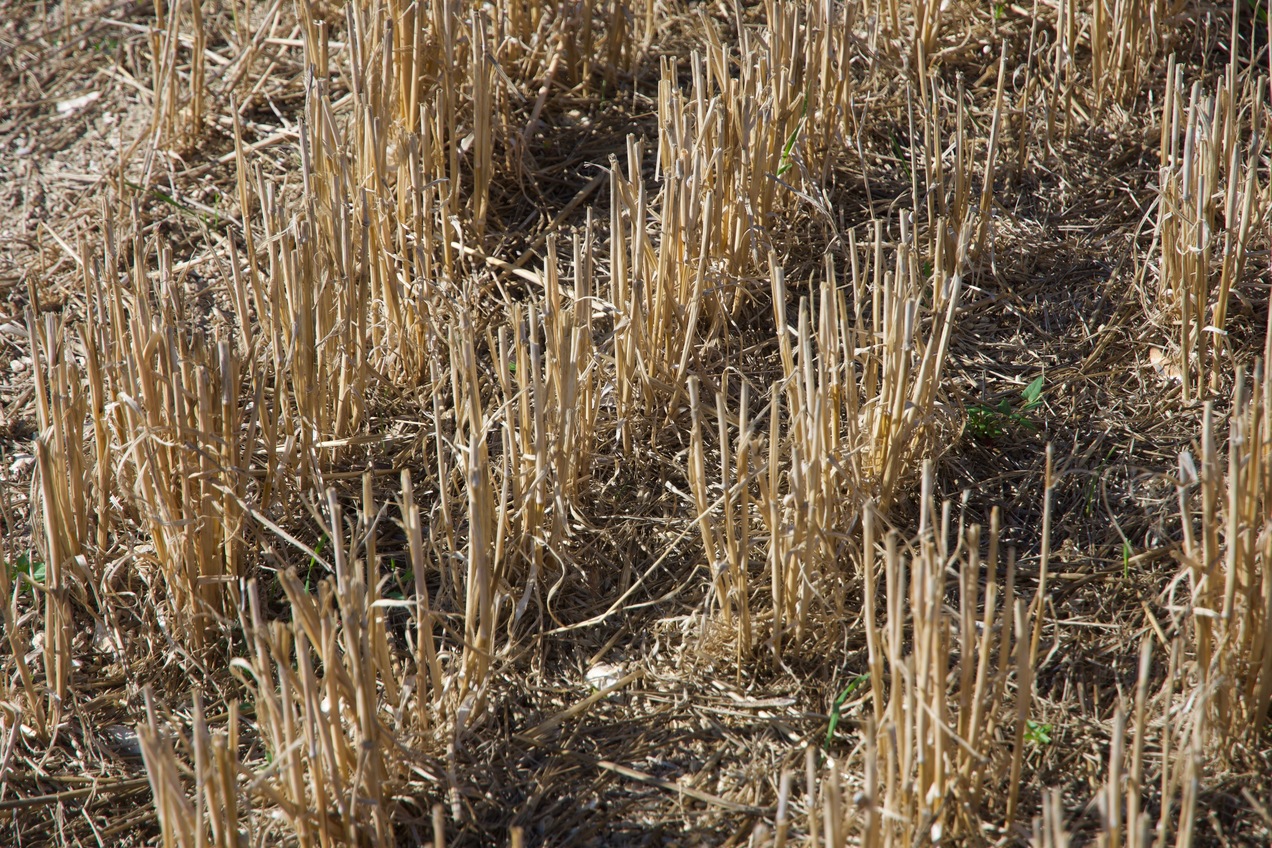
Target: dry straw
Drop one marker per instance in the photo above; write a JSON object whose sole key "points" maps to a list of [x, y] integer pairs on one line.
{"points": [[360, 458]]}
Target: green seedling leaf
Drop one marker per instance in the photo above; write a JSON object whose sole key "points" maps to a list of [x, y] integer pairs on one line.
{"points": [[790, 142], [900, 154], [1037, 733], [313, 562], [856, 683], [164, 197], [987, 422], [1017, 418], [404, 579], [36, 572], [983, 423], [1032, 394], [787, 164]]}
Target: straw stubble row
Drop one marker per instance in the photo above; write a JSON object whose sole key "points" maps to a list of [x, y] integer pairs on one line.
{"points": [[364, 281]]}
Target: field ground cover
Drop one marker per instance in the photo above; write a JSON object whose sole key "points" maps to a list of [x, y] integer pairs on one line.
{"points": [[635, 423]]}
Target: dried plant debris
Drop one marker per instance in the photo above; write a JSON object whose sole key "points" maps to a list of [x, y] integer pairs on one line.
{"points": [[819, 423]]}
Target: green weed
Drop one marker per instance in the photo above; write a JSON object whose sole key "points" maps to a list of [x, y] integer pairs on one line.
{"points": [[35, 571], [856, 683], [1037, 733], [987, 423]]}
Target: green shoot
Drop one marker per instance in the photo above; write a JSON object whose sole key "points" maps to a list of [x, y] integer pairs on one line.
{"points": [[1038, 733], [987, 423], [835, 714], [35, 571], [313, 562], [790, 142]]}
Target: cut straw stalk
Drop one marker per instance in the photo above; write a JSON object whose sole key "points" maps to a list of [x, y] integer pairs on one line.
{"points": [[932, 749], [1231, 590], [358, 288]]}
